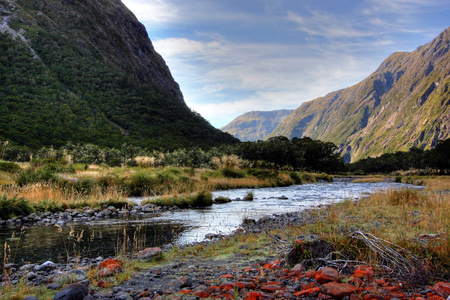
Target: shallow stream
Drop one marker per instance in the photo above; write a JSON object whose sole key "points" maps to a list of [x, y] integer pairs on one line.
{"points": [[105, 238]]}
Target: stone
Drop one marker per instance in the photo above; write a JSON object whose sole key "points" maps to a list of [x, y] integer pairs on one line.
{"points": [[442, 288], [298, 267], [31, 275], [149, 253], [339, 290], [74, 291], [30, 297], [47, 266], [54, 286], [109, 267], [327, 274]]}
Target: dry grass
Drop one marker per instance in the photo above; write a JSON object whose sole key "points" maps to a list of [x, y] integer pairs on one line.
{"points": [[40, 192]]}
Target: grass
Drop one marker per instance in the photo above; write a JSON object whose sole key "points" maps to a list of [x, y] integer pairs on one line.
{"points": [[56, 186]]}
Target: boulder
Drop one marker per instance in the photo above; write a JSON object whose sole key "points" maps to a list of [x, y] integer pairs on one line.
{"points": [[74, 291], [327, 274], [109, 267], [149, 253]]}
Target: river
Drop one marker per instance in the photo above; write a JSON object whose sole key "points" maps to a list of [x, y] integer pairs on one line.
{"points": [[106, 237]]}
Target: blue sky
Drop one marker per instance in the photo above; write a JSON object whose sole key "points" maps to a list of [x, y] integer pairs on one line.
{"points": [[234, 56]]}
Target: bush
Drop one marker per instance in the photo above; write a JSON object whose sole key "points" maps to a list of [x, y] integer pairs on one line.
{"points": [[232, 173], [9, 167], [297, 179], [261, 174], [11, 207], [201, 199], [249, 196], [30, 177]]}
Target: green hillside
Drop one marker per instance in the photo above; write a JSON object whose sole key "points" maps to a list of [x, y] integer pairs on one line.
{"points": [[86, 71], [403, 104]]}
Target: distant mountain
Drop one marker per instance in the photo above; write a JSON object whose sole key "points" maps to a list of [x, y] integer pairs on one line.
{"points": [[403, 104], [86, 71], [255, 125]]}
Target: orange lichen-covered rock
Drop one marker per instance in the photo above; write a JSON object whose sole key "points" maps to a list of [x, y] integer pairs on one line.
{"points": [[202, 294], [327, 274], [271, 288], [109, 267], [339, 290], [308, 292], [254, 296], [442, 288]]}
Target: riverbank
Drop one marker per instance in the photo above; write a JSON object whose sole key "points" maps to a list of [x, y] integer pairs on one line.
{"points": [[415, 220]]}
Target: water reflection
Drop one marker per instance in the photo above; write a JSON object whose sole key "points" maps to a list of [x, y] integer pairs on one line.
{"points": [[103, 238]]}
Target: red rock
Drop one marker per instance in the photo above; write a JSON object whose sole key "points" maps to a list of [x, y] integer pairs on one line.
{"points": [[213, 289], [227, 286], [254, 296], [226, 296], [392, 289], [355, 297], [311, 274], [373, 297], [339, 290], [308, 292], [228, 276], [324, 297], [202, 294], [271, 288], [109, 267], [102, 284], [327, 274], [185, 292], [245, 285], [442, 288], [309, 286], [435, 297]]}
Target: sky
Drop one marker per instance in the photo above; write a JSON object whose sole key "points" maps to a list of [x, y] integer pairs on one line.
{"points": [[234, 56]]}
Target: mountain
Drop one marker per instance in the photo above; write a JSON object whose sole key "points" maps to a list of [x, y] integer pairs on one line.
{"points": [[403, 104], [86, 71], [255, 125]]}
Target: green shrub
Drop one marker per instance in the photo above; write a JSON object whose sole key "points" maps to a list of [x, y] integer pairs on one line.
{"points": [[232, 173], [261, 174], [140, 183], [84, 186], [297, 179], [31, 176], [51, 206], [11, 207], [9, 167], [201, 199], [249, 196]]}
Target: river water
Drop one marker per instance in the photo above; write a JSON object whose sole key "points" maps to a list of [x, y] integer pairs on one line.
{"points": [[106, 237]]}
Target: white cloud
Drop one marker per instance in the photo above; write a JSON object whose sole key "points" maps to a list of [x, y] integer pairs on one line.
{"points": [[326, 25], [153, 11]]}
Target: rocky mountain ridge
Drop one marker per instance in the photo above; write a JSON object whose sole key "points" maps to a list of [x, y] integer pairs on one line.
{"points": [[255, 125], [403, 104]]}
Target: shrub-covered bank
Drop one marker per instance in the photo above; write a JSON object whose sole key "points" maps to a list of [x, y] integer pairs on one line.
{"points": [[55, 186]]}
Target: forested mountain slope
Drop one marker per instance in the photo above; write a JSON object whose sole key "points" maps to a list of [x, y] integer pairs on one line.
{"points": [[86, 71]]}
